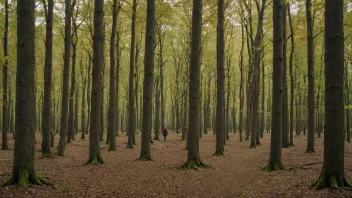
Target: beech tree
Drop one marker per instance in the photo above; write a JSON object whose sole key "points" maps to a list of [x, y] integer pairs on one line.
{"points": [[94, 135], [333, 171], [193, 158], [275, 162], [65, 80], [148, 82], [47, 114], [5, 120], [23, 170]]}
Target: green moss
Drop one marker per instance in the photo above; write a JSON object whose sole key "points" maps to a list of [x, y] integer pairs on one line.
{"points": [[95, 160], [331, 180], [47, 155], [23, 178]]}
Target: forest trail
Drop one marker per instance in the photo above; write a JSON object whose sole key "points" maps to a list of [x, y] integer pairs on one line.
{"points": [[237, 174]]}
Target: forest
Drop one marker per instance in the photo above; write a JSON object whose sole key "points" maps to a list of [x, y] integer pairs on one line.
{"points": [[176, 98]]}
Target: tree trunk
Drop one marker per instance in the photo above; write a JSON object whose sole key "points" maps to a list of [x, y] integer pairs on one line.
{"points": [[193, 159], [24, 171], [118, 55], [65, 80], [333, 173], [275, 163], [112, 97], [292, 80], [83, 107], [96, 106], [310, 55], [241, 93], [148, 82], [157, 111], [285, 132], [220, 102], [131, 104], [47, 114], [5, 123]]}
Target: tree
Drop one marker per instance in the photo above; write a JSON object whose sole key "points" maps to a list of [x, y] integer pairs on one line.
{"points": [[24, 171], [148, 82], [292, 79], [285, 132], [112, 100], [275, 163], [131, 104], [193, 159], [65, 80], [5, 116], [46, 121], [220, 102], [94, 135], [333, 173], [310, 55]]}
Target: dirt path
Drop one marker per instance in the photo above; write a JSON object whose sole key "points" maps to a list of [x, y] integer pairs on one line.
{"points": [[235, 175]]}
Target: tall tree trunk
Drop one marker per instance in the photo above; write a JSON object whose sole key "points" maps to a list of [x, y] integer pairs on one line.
{"points": [[48, 82], [193, 159], [241, 93], [94, 140], [148, 82], [310, 55], [157, 111], [275, 163], [5, 123], [112, 94], [347, 103], [65, 80], [220, 102], [89, 92], [131, 104], [118, 55], [285, 132], [24, 171], [333, 173], [292, 79]]}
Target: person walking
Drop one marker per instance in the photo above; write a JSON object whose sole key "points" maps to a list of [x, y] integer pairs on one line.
{"points": [[165, 134]]}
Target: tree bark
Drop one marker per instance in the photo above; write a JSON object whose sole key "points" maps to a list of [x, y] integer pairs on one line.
{"points": [[310, 55], [292, 79], [148, 82], [47, 114], [193, 159], [131, 104], [96, 105], [333, 173], [220, 102], [65, 80], [285, 129], [112, 98], [275, 163], [24, 171]]}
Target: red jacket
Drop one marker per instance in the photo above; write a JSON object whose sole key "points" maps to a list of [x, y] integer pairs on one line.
{"points": [[165, 132]]}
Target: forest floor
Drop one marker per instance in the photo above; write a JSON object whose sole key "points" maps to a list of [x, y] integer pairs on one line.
{"points": [[237, 174]]}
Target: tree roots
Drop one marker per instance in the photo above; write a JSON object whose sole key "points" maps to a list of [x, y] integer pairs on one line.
{"points": [[218, 153], [331, 180], [145, 158], [194, 165], [274, 167], [23, 178], [47, 155], [95, 161]]}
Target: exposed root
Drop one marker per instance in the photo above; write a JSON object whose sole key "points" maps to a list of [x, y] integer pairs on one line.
{"points": [[23, 178], [5, 148], [274, 167], [47, 155], [112, 149], [129, 146], [310, 150], [95, 161], [193, 165], [331, 180], [145, 158], [218, 153]]}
